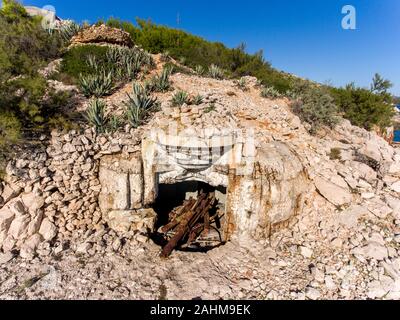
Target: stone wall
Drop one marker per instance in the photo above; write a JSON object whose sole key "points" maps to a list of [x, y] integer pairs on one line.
{"points": [[53, 194]]}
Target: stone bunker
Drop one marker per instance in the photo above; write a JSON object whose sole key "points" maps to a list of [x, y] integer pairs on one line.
{"points": [[257, 187]]}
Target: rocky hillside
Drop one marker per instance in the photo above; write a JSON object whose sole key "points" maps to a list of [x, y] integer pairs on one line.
{"points": [[343, 244], [317, 216]]}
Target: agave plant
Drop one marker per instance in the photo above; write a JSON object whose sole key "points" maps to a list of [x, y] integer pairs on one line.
{"points": [[97, 85], [96, 115], [165, 56], [68, 30], [270, 92], [113, 55], [215, 72], [161, 83], [180, 98], [199, 70], [292, 95], [242, 84], [259, 83], [197, 100], [182, 60], [139, 105], [114, 123], [132, 69], [210, 108], [147, 58], [92, 62]]}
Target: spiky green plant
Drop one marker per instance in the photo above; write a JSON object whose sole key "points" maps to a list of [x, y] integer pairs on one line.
{"points": [[113, 55], [197, 100], [210, 108], [68, 30], [165, 56], [132, 69], [242, 84], [92, 62], [114, 123], [180, 98], [293, 95], [161, 83], [215, 72], [182, 60], [199, 70], [97, 85], [139, 105], [147, 58], [96, 115], [270, 92]]}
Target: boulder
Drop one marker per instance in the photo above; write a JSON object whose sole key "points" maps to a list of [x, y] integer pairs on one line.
{"points": [[10, 192], [365, 172], [335, 194], [6, 217], [48, 230], [371, 150], [395, 187], [6, 257], [376, 251], [19, 226], [349, 217], [143, 220], [28, 249], [103, 34], [122, 183]]}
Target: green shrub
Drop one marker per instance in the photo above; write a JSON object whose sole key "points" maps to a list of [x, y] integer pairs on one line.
{"points": [[317, 108], [335, 154], [139, 105], [96, 115], [270, 92], [97, 85], [123, 64], [10, 130], [75, 61], [180, 98], [364, 108]]}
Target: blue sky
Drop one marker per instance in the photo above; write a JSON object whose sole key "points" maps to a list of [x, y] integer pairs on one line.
{"points": [[303, 37]]}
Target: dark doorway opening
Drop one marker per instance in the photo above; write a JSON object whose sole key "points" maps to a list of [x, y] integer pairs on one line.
{"points": [[174, 203]]}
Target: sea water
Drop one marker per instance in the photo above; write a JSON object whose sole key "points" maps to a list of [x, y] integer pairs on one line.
{"points": [[397, 136]]}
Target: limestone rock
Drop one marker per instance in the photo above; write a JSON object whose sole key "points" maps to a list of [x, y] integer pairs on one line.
{"points": [[103, 34], [48, 230], [143, 220], [6, 257], [335, 194], [122, 183], [6, 217], [28, 249], [19, 226], [396, 187], [375, 251]]}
